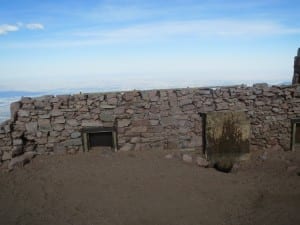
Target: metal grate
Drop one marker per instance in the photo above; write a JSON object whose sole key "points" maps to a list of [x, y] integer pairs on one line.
{"points": [[99, 137]]}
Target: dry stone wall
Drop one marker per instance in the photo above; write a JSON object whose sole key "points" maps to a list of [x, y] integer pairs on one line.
{"points": [[155, 119]]}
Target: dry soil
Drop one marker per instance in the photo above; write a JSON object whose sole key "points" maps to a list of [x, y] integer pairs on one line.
{"points": [[145, 188]]}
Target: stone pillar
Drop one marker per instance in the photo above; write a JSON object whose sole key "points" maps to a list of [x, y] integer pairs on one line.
{"points": [[296, 77]]}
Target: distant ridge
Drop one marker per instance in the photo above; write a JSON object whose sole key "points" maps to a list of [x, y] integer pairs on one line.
{"points": [[8, 94]]}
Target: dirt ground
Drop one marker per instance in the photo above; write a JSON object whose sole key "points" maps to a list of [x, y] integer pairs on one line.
{"points": [[145, 188]]}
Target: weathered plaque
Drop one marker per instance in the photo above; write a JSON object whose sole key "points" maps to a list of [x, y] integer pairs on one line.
{"points": [[227, 134]]}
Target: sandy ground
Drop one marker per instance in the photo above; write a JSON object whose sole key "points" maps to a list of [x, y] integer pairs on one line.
{"points": [[131, 188]]}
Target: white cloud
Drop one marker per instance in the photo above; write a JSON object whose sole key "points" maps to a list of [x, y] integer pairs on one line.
{"points": [[34, 26], [196, 28], [167, 30], [5, 28]]}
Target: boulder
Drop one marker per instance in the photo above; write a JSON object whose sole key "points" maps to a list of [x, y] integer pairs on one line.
{"points": [[202, 162], [21, 160], [126, 147], [224, 165]]}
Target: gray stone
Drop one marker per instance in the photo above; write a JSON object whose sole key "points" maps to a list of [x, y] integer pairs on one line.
{"points": [[31, 127], [59, 149], [7, 128], [106, 117], [14, 107], [91, 123], [17, 150], [44, 125], [56, 113], [123, 122], [185, 101], [17, 142], [128, 96], [58, 127], [59, 120], [127, 147], [23, 113], [73, 142], [6, 156], [202, 162], [167, 121], [106, 106], [21, 160], [154, 122], [135, 140], [187, 158], [72, 122], [222, 106], [30, 148], [44, 116], [76, 134]]}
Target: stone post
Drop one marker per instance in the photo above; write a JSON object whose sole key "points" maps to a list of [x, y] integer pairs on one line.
{"points": [[296, 77]]}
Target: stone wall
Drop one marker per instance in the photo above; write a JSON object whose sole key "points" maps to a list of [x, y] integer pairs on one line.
{"points": [[155, 119]]}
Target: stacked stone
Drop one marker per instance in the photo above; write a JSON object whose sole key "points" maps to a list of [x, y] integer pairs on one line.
{"points": [[5, 141], [155, 119]]}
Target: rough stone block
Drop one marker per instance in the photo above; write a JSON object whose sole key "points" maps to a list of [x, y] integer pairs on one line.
{"points": [[44, 116], [21, 160], [127, 147], [123, 122], [17, 142], [44, 125], [72, 122], [106, 116], [58, 127], [14, 107], [107, 106], [6, 156], [31, 127], [23, 113], [202, 162], [17, 150], [56, 112], [76, 134], [91, 123], [73, 142], [59, 120]]}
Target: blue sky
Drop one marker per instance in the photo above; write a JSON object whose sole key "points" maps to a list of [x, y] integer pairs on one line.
{"points": [[46, 45]]}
